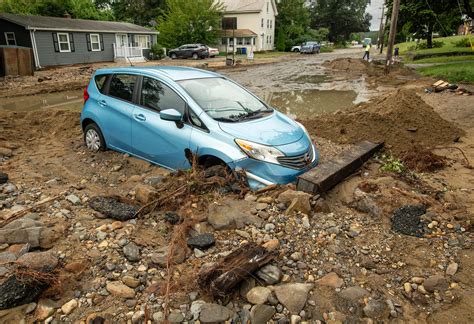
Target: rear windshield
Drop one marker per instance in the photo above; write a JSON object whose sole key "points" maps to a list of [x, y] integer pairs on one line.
{"points": [[100, 82]]}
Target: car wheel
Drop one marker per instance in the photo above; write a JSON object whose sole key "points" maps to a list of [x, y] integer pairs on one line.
{"points": [[195, 56], [296, 50], [93, 138], [173, 56]]}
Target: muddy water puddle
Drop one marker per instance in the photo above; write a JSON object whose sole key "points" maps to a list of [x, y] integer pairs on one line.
{"points": [[69, 100], [305, 104]]}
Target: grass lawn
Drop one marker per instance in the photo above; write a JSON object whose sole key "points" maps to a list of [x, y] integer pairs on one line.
{"points": [[443, 59], [449, 48], [455, 72]]}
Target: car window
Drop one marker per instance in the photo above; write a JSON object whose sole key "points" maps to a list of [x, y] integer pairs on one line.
{"points": [[100, 81], [122, 86], [158, 96], [195, 121]]}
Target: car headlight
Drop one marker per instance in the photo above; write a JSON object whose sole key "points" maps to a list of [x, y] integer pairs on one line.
{"points": [[259, 151]]}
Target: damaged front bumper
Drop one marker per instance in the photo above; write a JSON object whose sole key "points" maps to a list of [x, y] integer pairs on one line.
{"points": [[261, 174]]}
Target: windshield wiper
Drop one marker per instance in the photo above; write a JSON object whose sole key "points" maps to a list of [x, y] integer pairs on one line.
{"points": [[255, 113], [225, 119]]}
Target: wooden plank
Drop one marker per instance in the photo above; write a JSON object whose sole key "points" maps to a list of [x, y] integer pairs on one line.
{"points": [[326, 175]]}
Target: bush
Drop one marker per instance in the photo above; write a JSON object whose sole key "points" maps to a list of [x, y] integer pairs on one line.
{"points": [[424, 45], [464, 42], [157, 51]]}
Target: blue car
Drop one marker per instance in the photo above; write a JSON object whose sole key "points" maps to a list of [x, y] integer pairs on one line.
{"points": [[166, 115]]}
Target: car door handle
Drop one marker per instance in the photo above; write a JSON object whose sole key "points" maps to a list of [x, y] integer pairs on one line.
{"points": [[103, 103], [139, 117]]}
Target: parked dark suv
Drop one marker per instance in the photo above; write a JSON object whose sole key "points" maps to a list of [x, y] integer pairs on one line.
{"points": [[194, 51]]}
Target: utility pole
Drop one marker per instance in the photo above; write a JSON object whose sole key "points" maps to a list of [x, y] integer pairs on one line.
{"points": [[393, 33], [382, 27]]}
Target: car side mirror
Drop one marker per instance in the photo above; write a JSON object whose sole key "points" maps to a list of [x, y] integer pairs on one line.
{"points": [[171, 115]]}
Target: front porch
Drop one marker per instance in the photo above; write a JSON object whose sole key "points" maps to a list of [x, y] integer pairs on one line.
{"points": [[128, 54]]}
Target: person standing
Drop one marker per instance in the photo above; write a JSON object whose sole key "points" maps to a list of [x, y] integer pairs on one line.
{"points": [[367, 51]]}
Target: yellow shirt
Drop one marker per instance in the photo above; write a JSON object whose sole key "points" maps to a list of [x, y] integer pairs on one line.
{"points": [[367, 48]]}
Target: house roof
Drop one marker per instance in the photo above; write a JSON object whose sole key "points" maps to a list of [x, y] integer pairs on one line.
{"points": [[241, 6], [238, 33], [68, 24]]}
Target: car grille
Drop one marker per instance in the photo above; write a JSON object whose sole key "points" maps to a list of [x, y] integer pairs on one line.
{"points": [[298, 161]]}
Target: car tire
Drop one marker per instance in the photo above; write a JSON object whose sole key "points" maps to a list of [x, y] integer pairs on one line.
{"points": [[93, 138], [173, 56], [296, 50], [195, 56]]}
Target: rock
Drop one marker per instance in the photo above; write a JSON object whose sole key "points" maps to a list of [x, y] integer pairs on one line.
{"points": [[365, 204], [6, 152], [153, 181], [296, 256], [305, 222], [298, 200], [272, 245], [131, 281], [270, 274], [160, 257], [175, 318], [73, 199], [261, 206], [145, 193], [331, 280], [452, 269], [3, 177], [118, 289], [353, 294], [293, 295], [158, 317], [69, 306], [45, 309], [295, 319], [436, 282], [39, 261], [202, 241], [138, 317], [407, 287], [131, 252], [258, 295], [113, 208], [211, 313], [173, 218], [231, 214], [377, 309], [261, 314], [322, 206], [196, 307], [23, 230]]}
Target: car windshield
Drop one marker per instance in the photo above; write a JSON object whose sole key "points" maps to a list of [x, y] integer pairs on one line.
{"points": [[224, 100]]}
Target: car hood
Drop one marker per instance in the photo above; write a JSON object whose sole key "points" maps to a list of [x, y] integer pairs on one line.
{"points": [[273, 130]]}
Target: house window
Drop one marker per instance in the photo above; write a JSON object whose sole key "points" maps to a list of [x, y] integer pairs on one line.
{"points": [[10, 38], [240, 41], [262, 22], [268, 23], [63, 40], [142, 41], [270, 39], [271, 23], [229, 23], [267, 6], [224, 41], [95, 42], [248, 41]]}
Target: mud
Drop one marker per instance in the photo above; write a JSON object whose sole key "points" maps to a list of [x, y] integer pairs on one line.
{"points": [[400, 119]]}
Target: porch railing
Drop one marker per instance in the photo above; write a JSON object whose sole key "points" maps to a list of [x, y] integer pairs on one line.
{"points": [[127, 51]]}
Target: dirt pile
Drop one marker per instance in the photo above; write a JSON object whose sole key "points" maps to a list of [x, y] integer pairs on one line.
{"points": [[347, 64], [401, 119]]}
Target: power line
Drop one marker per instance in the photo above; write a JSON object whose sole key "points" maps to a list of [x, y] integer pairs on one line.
{"points": [[436, 17]]}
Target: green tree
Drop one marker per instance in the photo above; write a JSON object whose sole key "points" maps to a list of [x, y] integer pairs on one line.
{"points": [[422, 18], [341, 17], [291, 23], [140, 12], [84, 9], [196, 21]]}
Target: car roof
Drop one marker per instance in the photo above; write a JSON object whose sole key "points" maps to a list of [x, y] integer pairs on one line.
{"points": [[175, 73]]}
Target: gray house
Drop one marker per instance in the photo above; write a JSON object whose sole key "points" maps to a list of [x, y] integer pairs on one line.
{"points": [[58, 41]]}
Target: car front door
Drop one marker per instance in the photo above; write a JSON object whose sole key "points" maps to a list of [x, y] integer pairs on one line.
{"points": [[117, 107], [157, 140]]}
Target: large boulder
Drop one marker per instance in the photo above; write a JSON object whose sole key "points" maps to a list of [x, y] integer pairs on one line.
{"points": [[33, 232], [297, 201], [293, 296], [230, 214]]}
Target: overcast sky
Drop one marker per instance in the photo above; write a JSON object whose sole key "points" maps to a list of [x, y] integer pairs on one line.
{"points": [[375, 9]]}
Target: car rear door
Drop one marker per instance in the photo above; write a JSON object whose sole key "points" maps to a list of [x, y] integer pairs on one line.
{"points": [[159, 141], [116, 110]]}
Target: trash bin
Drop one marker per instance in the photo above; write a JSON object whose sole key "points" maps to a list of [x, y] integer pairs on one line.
{"points": [[244, 50]]}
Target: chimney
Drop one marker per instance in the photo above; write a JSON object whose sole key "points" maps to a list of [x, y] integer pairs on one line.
{"points": [[67, 15]]}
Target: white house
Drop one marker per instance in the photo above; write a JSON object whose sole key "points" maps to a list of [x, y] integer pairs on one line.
{"points": [[248, 25]]}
